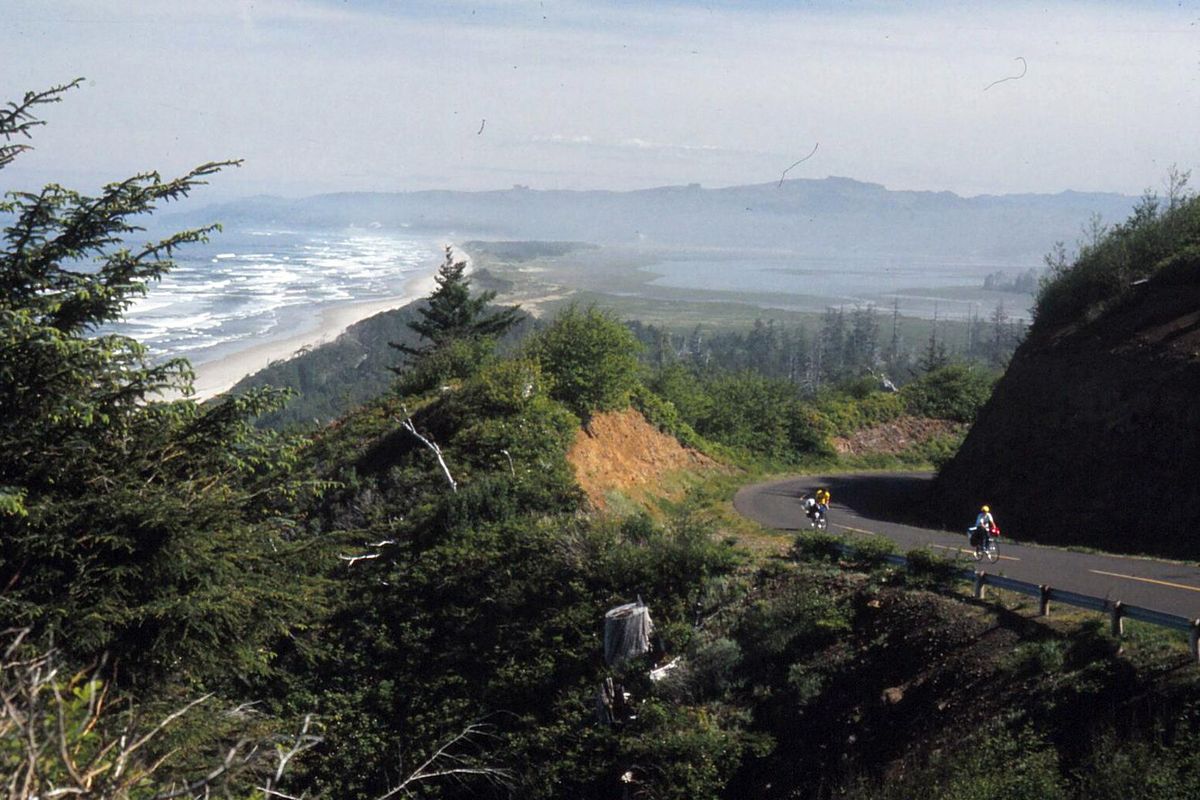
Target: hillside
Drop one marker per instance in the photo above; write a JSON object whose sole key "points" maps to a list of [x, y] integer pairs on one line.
{"points": [[413, 600], [330, 379], [1093, 435]]}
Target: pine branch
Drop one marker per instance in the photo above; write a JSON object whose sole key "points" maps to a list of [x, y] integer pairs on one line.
{"points": [[17, 120]]}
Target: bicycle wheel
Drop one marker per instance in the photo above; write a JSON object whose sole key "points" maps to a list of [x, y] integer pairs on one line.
{"points": [[991, 553]]}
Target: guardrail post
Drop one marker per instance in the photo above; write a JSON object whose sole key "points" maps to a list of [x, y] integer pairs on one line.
{"points": [[1044, 601], [1194, 640], [980, 585], [1118, 622]]}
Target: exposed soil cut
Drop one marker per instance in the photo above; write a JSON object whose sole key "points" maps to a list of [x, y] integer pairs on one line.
{"points": [[621, 451], [894, 437]]}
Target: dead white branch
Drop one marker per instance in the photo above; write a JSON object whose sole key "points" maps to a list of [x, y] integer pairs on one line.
{"points": [[303, 741], [62, 748], [408, 425], [445, 763], [352, 560]]}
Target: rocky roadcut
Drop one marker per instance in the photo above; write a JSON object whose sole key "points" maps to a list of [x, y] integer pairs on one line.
{"points": [[894, 437], [1093, 435]]}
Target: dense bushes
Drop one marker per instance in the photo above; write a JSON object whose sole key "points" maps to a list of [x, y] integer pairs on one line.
{"points": [[1107, 268], [591, 357], [955, 392], [846, 413]]}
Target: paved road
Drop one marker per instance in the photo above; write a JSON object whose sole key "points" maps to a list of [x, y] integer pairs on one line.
{"points": [[884, 504]]}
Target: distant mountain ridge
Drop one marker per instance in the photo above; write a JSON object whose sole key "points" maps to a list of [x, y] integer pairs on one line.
{"points": [[828, 216]]}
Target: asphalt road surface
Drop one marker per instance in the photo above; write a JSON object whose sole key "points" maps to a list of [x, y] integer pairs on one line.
{"points": [[883, 504]]}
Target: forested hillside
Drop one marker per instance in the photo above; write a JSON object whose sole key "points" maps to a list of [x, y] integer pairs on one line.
{"points": [[411, 601]]}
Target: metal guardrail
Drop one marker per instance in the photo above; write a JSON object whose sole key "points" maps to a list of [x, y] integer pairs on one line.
{"points": [[1117, 611], [1100, 604]]}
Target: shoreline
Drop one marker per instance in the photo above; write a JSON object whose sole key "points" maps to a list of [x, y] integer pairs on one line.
{"points": [[221, 374]]}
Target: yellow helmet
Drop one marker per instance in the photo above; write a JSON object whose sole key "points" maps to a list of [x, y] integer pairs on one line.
{"points": [[986, 510]]}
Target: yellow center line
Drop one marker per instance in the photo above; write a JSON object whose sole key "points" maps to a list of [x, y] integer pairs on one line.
{"points": [[1146, 580], [942, 546]]}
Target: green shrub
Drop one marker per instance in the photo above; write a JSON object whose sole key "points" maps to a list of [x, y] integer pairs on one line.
{"points": [[931, 571], [1120, 769], [750, 412], [788, 625], [1030, 659], [663, 415], [456, 360], [818, 546], [1106, 271], [1179, 269], [937, 450], [712, 668], [678, 753], [592, 359], [1092, 642], [995, 764], [807, 682], [872, 551], [667, 561], [679, 386], [809, 431], [955, 392], [846, 414]]}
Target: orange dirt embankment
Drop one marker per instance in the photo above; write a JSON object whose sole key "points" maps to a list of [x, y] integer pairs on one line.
{"points": [[621, 451]]}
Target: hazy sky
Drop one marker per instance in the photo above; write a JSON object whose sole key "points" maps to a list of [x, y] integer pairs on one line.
{"points": [[329, 95]]}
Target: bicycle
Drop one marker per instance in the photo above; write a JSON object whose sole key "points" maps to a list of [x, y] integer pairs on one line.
{"points": [[983, 544], [817, 518], [818, 521]]}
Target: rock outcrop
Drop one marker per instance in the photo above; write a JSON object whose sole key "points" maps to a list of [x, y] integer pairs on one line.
{"points": [[1092, 437]]}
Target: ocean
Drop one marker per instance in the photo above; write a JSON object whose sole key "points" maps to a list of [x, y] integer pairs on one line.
{"points": [[245, 287]]}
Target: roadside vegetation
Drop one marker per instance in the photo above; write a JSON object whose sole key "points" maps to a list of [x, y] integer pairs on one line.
{"points": [[1160, 240], [411, 600]]}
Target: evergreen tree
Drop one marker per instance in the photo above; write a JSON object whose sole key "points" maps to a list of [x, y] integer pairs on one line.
{"points": [[935, 355], [128, 523], [452, 314], [862, 344], [832, 344]]}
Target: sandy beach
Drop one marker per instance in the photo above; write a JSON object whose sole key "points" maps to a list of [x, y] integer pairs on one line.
{"points": [[221, 374]]}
